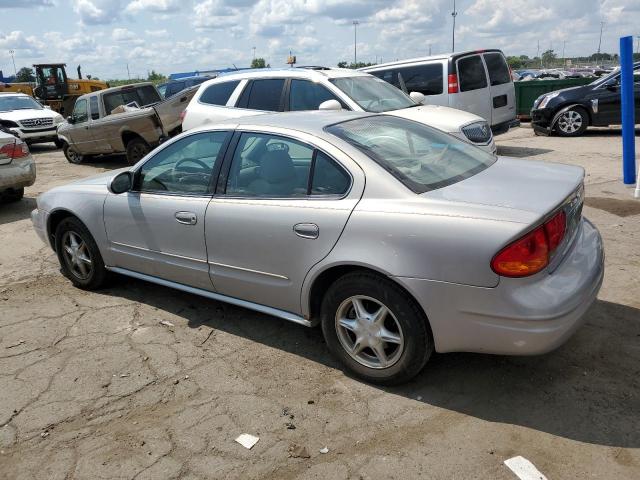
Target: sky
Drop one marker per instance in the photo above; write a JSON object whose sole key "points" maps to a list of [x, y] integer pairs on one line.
{"points": [[168, 36]]}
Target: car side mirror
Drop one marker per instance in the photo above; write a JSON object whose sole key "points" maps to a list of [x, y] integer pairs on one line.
{"points": [[417, 97], [121, 183], [330, 105], [47, 107], [70, 119]]}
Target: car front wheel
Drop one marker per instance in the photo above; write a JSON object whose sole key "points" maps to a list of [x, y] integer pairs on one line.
{"points": [[572, 123], [79, 256], [71, 155], [375, 328]]}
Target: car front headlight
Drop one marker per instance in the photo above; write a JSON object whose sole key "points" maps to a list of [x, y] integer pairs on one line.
{"points": [[547, 98]]}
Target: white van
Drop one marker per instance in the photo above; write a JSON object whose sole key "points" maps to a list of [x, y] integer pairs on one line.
{"points": [[477, 81]]}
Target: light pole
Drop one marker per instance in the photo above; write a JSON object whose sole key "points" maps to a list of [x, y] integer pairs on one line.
{"points": [[600, 41], [564, 44], [15, 72], [254, 52], [355, 43], [454, 14]]}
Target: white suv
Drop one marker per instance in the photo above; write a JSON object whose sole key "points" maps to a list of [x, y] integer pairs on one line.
{"points": [[252, 92], [29, 120]]}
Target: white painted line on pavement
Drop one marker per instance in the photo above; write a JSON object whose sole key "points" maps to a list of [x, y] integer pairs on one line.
{"points": [[524, 469]]}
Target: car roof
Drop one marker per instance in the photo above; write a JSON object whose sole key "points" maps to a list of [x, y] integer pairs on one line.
{"points": [[312, 122], [314, 73], [441, 56]]}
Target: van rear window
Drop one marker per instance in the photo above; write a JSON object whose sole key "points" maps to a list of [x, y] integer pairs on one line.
{"points": [[498, 68], [471, 73], [426, 79]]}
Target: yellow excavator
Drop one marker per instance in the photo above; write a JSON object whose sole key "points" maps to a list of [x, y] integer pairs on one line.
{"points": [[54, 88]]}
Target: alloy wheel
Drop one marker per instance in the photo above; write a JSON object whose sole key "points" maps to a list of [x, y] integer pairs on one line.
{"points": [[570, 121], [369, 332], [77, 255]]}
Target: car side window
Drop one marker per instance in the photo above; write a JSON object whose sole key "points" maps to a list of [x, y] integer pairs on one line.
{"points": [[471, 73], [426, 79], [93, 106], [264, 94], [266, 165], [307, 95], [218, 93], [328, 177], [80, 111], [184, 167], [498, 69]]}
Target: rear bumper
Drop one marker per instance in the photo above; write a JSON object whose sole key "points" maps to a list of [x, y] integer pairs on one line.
{"points": [[18, 174], [520, 316], [504, 127]]}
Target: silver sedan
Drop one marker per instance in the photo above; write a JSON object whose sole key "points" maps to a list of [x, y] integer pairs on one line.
{"points": [[396, 238]]}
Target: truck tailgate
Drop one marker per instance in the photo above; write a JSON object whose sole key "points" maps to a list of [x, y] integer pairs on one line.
{"points": [[169, 110]]}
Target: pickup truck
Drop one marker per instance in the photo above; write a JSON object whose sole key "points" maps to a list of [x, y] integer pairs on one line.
{"points": [[131, 119]]}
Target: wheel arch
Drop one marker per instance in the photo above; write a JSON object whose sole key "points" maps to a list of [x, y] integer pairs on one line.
{"points": [[54, 219], [568, 106], [128, 135], [321, 281]]}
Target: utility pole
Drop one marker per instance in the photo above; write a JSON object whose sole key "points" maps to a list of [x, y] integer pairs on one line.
{"points": [[454, 14], [355, 42], [638, 44], [128, 74], [564, 44], [254, 52], [600, 41], [429, 49], [538, 54], [15, 72]]}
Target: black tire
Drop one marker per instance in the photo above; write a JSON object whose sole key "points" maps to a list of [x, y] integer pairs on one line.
{"points": [[572, 123], [136, 149], [59, 143], [97, 273], [71, 155], [13, 195], [411, 322]]}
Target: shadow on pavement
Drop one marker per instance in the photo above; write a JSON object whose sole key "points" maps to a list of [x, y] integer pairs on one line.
{"points": [[15, 211], [588, 390], [521, 152]]}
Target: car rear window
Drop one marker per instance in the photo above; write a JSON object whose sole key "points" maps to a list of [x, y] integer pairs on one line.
{"points": [[263, 95], [218, 93], [498, 68], [426, 79], [142, 96], [421, 157], [471, 74]]}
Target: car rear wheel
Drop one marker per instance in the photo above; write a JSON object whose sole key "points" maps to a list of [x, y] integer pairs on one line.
{"points": [[572, 123], [79, 256], [136, 150], [71, 155], [375, 328]]}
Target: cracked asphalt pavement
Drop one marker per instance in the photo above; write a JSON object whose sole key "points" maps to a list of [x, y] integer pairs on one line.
{"points": [[138, 381]]}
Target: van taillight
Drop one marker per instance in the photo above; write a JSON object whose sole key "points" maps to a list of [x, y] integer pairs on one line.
{"points": [[531, 253], [453, 83]]}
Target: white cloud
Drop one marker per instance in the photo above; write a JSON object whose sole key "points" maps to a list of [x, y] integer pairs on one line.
{"points": [[97, 12], [26, 3], [156, 6], [156, 33]]}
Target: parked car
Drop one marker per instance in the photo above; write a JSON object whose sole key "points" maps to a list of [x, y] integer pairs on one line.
{"points": [[569, 112], [130, 119], [477, 81], [28, 119], [312, 88], [170, 88], [17, 168], [397, 238]]}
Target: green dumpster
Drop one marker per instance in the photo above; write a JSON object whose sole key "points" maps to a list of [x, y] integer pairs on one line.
{"points": [[528, 91]]}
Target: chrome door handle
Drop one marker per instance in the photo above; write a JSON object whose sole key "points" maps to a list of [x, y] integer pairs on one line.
{"points": [[306, 230], [186, 218]]}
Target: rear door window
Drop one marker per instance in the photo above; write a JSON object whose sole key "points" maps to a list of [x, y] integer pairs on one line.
{"points": [[498, 68], [471, 73], [426, 79], [218, 93], [174, 88], [264, 94]]}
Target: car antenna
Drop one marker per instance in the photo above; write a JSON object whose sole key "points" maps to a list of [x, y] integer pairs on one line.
{"points": [[234, 66]]}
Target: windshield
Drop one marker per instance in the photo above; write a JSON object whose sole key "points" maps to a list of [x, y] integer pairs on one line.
{"points": [[421, 157], [615, 75], [372, 94], [11, 102]]}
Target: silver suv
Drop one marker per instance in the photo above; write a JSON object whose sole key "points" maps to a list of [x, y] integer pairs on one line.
{"points": [[253, 92]]}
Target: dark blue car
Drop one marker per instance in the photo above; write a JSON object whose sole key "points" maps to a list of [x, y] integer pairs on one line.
{"points": [[172, 87]]}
